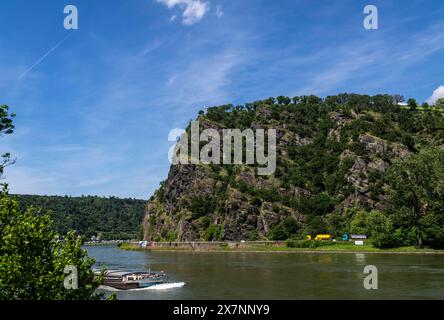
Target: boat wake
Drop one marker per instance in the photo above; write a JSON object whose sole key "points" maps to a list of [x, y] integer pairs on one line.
{"points": [[162, 286], [165, 286]]}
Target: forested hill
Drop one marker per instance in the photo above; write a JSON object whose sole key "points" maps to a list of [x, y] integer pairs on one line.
{"points": [[345, 163], [109, 218]]}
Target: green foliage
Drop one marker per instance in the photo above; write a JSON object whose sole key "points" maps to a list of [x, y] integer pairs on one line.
{"points": [[357, 148], [433, 225], [286, 229], [213, 233], [254, 236], [440, 103], [6, 118], [408, 141], [6, 127], [171, 236], [111, 218], [283, 100], [412, 104], [201, 206], [319, 204], [304, 244], [358, 223], [416, 191], [384, 235], [309, 244], [32, 259], [315, 224]]}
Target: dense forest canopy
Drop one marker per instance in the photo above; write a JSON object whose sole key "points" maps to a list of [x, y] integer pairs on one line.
{"points": [[107, 218]]}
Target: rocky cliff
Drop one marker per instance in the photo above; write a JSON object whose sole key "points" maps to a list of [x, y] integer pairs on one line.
{"points": [[332, 154]]}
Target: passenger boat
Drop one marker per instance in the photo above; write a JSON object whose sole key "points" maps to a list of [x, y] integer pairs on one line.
{"points": [[124, 280]]}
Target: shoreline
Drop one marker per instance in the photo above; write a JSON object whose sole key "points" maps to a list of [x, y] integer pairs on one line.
{"points": [[282, 249]]}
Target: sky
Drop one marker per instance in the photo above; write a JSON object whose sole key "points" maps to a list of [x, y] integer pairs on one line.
{"points": [[95, 104]]}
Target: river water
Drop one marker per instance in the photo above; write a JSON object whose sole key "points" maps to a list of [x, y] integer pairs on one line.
{"points": [[234, 275]]}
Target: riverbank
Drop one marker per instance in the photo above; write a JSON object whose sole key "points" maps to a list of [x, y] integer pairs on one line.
{"points": [[274, 247]]}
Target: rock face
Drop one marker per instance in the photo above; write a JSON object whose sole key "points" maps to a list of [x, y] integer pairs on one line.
{"points": [[239, 215], [328, 161], [380, 147], [362, 169], [182, 181]]}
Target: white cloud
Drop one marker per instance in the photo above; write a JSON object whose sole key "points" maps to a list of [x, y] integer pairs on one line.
{"points": [[26, 180], [219, 11], [204, 81], [372, 58], [79, 170], [193, 10], [437, 94]]}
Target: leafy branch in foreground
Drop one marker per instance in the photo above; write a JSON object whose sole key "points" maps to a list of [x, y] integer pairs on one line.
{"points": [[33, 258]]}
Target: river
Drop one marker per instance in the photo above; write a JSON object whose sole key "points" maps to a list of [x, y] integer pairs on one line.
{"points": [[234, 275]]}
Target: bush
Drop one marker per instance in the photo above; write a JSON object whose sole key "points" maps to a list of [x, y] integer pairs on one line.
{"points": [[284, 230], [302, 244], [201, 206], [213, 232], [32, 259], [171, 236], [309, 244]]}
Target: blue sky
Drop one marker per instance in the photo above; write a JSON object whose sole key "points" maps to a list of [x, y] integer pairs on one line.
{"points": [[93, 116]]}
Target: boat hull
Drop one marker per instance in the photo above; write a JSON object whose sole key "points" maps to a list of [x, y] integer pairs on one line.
{"points": [[122, 280], [121, 285]]}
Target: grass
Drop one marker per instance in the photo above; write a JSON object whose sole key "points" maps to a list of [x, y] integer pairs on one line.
{"points": [[321, 247]]}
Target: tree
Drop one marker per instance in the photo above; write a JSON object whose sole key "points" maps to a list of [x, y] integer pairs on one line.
{"points": [[6, 127], [434, 230], [382, 231], [416, 189], [283, 100], [440, 103], [358, 223], [408, 141], [33, 259], [286, 229], [412, 104]]}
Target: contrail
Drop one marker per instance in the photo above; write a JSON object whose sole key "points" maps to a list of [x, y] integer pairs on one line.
{"points": [[44, 56]]}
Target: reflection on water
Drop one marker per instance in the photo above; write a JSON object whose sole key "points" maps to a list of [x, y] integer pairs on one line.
{"points": [[231, 275], [360, 258]]}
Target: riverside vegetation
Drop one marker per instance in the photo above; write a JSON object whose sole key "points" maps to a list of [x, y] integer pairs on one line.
{"points": [[346, 163]]}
